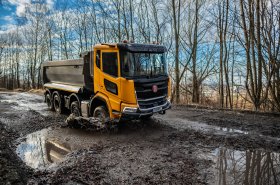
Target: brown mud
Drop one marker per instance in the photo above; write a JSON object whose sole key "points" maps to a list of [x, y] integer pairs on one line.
{"points": [[185, 146]]}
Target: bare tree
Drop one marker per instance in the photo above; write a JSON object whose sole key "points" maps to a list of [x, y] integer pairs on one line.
{"points": [[222, 25], [269, 33], [254, 76], [205, 49], [176, 10]]}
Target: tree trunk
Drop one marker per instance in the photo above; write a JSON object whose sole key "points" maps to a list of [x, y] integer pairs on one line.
{"points": [[176, 25]]}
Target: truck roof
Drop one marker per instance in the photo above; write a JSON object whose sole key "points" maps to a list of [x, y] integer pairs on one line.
{"points": [[133, 47], [69, 62]]}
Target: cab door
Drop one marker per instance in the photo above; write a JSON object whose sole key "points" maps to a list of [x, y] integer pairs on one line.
{"points": [[110, 77]]}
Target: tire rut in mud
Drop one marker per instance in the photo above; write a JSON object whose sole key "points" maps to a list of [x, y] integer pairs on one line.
{"points": [[12, 169]]}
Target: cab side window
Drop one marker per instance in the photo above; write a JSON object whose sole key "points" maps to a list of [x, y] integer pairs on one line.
{"points": [[98, 58], [110, 63]]}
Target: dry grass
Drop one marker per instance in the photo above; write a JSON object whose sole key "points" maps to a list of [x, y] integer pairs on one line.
{"points": [[37, 91], [3, 89], [19, 90]]}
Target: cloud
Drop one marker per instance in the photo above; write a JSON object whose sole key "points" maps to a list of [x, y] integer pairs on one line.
{"points": [[18, 16], [8, 28], [8, 8], [8, 18], [20, 6], [50, 4], [23, 5]]}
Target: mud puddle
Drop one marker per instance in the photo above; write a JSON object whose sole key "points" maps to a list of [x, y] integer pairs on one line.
{"points": [[244, 167], [46, 148], [183, 124], [25, 102]]}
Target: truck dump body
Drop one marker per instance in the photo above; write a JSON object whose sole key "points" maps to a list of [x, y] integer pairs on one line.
{"points": [[65, 72], [73, 75]]}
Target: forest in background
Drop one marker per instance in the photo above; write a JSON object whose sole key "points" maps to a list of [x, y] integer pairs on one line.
{"points": [[220, 53]]}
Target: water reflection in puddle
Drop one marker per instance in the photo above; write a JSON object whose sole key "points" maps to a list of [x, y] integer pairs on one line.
{"points": [[246, 167], [38, 151], [182, 124], [47, 147]]}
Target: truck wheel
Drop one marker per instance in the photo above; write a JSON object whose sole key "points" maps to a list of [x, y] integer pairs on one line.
{"points": [[101, 113], [49, 101], [57, 104], [75, 109]]}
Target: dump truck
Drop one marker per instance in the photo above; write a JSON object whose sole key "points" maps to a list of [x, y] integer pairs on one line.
{"points": [[121, 81]]}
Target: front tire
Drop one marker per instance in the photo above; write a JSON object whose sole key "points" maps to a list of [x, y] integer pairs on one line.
{"points": [[102, 113]]}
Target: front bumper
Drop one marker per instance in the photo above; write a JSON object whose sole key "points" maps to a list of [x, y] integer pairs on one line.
{"points": [[145, 112]]}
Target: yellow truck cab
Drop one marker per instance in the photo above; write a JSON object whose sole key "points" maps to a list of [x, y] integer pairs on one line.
{"points": [[116, 81]]}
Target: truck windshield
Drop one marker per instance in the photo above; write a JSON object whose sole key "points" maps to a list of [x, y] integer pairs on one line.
{"points": [[143, 64]]}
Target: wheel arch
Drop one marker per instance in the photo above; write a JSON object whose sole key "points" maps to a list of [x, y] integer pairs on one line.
{"points": [[48, 91], [74, 97], [54, 93], [99, 100]]}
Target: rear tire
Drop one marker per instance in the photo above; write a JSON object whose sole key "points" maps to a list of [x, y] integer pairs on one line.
{"points": [[49, 102], [102, 113], [74, 108], [57, 104]]}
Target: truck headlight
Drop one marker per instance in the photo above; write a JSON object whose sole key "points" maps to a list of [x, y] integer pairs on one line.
{"points": [[129, 109]]}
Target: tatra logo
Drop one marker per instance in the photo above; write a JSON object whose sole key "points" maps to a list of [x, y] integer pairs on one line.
{"points": [[154, 88]]}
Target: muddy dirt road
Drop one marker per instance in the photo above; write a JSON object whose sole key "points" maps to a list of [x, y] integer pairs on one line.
{"points": [[185, 146]]}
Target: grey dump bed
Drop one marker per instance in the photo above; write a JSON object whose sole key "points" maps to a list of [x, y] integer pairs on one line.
{"points": [[70, 75]]}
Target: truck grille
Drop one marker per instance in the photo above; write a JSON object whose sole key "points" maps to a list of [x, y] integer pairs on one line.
{"points": [[146, 97]]}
